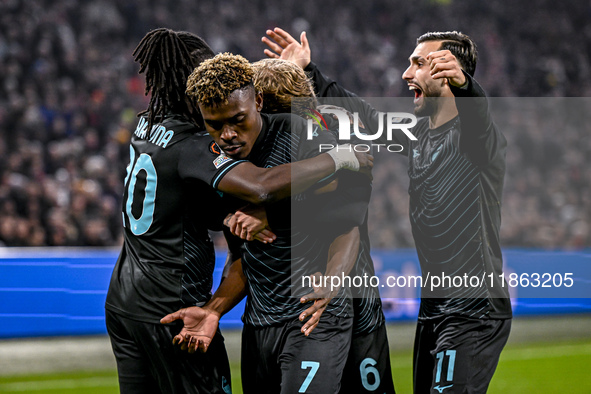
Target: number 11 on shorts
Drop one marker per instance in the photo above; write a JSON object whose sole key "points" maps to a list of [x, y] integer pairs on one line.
{"points": [[313, 365], [451, 355]]}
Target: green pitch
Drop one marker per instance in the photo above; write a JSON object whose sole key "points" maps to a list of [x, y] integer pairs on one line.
{"points": [[560, 367]]}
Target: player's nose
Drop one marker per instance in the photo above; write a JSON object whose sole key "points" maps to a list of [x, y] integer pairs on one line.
{"points": [[228, 133], [407, 74]]}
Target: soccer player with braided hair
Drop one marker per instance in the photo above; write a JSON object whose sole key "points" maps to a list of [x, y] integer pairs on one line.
{"points": [[169, 202]]}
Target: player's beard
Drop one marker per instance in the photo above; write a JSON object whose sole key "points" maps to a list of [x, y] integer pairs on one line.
{"points": [[430, 103], [428, 107]]}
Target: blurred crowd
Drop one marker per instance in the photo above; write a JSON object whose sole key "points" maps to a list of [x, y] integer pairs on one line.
{"points": [[70, 92]]}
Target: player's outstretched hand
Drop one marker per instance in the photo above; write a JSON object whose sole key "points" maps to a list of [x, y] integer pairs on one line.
{"points": [[200, 326], [283, 46], [250, 223], [445, 65], [321, 297], [365, 163]]}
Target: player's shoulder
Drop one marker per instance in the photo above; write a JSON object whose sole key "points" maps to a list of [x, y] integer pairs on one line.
{"points": [[284, 122], [201, 143], [166, 131], [422, 126], [180, 124]]}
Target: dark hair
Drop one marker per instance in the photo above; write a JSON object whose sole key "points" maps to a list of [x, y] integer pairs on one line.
{"points": [[167, 58], [461, 45]]}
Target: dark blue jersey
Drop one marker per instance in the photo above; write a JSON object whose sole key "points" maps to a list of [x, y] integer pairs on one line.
{"points": [[274, 270], [456, 180], [167, 258]]}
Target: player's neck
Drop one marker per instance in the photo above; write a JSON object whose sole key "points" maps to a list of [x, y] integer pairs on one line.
{"points": [[446, 112]]}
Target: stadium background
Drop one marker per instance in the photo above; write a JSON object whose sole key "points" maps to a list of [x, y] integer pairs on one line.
{"points": [[69, 92]]}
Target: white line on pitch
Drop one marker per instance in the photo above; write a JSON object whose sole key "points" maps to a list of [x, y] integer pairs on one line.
{"points": [[519, 354], [39, 385]]}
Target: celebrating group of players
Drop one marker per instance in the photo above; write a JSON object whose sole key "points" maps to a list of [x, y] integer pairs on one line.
{"points": [[221, 147]]}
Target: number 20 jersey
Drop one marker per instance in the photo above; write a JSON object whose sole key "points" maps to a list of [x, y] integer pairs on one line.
{"points": [[167, 258]]}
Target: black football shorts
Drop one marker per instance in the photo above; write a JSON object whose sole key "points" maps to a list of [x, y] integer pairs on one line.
{"points": [[148, 362]]}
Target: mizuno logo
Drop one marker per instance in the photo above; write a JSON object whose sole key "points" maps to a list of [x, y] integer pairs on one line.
{"points": [[436, 153], [225, 386], [440, 389]]}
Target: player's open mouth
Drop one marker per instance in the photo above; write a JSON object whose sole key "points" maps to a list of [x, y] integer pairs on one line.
{"points": [[418, 92]]}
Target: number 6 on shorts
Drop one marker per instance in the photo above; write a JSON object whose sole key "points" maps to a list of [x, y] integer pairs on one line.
{"points": [[313, 365], [366, 368]]}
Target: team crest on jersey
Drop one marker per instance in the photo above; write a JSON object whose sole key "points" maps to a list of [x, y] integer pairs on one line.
{"points": [[214, 148], [221, 160]]}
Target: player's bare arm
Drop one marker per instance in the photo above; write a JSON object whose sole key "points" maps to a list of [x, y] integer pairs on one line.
{"points": [[342, 256], [264, 185], [200, 324], [283, 46]]}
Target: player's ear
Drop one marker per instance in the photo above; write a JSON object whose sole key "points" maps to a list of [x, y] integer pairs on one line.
{"points": [[259, 100]]}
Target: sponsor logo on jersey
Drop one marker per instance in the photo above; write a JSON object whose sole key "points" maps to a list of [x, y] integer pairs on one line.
{"points": [[221, 160], [214, 148], [317, 116]]}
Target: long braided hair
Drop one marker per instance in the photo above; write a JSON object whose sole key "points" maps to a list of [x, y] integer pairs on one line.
{"points": [[167, 58]]}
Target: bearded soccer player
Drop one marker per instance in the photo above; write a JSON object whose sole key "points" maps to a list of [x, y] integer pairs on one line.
{"points": [[456, 169], [167, 259]]}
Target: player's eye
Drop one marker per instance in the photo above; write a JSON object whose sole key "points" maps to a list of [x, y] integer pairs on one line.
{"points": [[239, 119], [214, 125]]}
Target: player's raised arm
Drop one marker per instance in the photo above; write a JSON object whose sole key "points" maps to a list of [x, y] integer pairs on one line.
{"points": [[283, 46], [480, 139]]}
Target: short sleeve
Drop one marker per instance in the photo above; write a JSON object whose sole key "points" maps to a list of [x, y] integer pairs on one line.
{"points": [[202, 159]]}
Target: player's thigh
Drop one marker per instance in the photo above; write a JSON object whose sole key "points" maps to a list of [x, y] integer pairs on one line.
{"points": [[422, 368], [178, 371], [259, 366], [466, 355], [315, 364], [368, 368], [133, 368], [148, 361]]}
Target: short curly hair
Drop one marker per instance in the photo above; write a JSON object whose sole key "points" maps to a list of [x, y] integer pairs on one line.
{"points": [[280, 81], [215, 79]]}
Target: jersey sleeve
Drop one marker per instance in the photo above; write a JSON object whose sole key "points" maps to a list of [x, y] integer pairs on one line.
{"points": [[203, 160], [480, 140]]}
